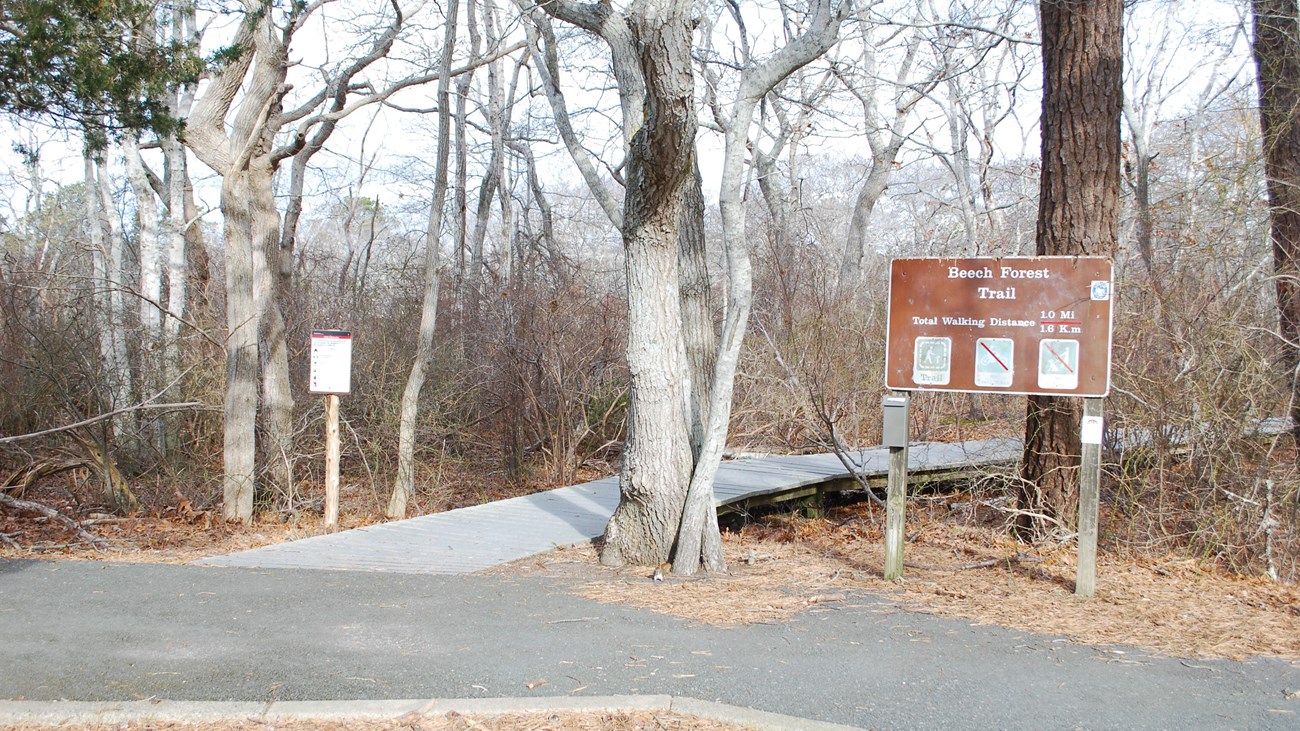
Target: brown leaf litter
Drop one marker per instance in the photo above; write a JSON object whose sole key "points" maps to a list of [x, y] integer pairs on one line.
{"points": [[789, 565]]}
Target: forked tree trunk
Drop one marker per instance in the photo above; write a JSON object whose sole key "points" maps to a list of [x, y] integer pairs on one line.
{"points": [[657, 460], [1078, 214], [671, 368], [698, 539], [1277, 60], [885, 137]]}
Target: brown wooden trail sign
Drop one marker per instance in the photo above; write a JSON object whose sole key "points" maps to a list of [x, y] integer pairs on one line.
{"points": [[1037, 325], [1014, 325]]}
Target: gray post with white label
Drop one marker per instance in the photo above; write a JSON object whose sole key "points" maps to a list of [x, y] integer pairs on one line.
{"points": [[897, 407], [1085, 577]]}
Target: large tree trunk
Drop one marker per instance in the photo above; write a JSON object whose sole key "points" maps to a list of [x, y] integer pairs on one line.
{"points": [[243, 320], [657, 460], [1078, 214], [1277, 60], [273, 348]]}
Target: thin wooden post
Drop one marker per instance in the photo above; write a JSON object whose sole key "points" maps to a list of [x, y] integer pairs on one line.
{"points": [[896, 437], [331, 461], [1085, 582]]}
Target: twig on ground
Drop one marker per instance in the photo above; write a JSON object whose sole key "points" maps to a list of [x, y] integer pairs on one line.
{"points": [[28, 506]]}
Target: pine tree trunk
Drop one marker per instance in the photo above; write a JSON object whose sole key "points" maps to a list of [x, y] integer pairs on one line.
{"points": [[1078, 214], [1277, 61]]}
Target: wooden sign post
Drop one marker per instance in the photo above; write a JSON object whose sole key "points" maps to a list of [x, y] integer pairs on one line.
{"points": [[331, 375], [1036, 325]]}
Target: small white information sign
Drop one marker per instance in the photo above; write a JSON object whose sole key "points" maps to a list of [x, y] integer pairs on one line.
{"points": [[331, 361], [1058, 364], [1091, 431], [932, 361]]}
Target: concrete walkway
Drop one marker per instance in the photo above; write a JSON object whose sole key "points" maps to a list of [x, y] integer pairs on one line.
{"points": [[471, 539]]}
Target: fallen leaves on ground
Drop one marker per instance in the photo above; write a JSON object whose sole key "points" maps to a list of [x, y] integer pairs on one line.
{"points": [[786, 565]]}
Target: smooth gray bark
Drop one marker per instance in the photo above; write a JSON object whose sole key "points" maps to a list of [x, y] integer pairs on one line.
{"points": [[698, 540], [405, 483], [885, 135]]}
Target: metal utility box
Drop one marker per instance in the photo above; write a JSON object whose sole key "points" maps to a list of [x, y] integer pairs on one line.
{"points": [[896, 420]]}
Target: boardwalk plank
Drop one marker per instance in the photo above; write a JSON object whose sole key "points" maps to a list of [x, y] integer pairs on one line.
{"points": [[481, 536]]}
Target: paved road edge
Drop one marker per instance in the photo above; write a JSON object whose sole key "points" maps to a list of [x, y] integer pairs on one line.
{"points": [[55, 712]]}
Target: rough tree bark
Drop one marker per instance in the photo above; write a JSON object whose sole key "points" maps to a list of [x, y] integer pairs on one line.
{"points": [[241, 158], [657, 460], [1277, 62], [1078, 214], [674, 340]]}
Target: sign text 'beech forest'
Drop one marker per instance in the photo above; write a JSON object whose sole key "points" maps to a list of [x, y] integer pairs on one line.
{"points": [[1017, 325]]}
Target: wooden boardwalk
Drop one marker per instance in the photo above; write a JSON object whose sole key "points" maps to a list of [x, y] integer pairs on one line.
{"points": [[482, 536]]}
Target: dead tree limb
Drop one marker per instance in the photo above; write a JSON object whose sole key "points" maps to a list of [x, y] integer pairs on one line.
{"points": [[27, 506], [16, 484], [822, 418], [97, 419]]}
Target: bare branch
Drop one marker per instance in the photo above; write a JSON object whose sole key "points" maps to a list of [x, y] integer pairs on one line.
{"points": [[102, 417]]}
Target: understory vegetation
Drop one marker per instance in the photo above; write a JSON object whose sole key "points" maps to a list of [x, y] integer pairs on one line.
{"points": [[103, 412]]}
